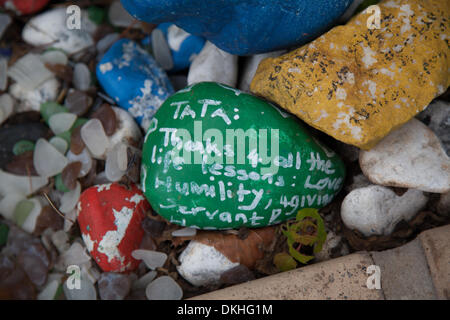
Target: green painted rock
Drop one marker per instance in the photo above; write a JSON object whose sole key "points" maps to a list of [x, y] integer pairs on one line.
{"points": [[217, 158]]}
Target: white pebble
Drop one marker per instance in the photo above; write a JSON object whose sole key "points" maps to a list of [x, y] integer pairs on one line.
{"points": [[3, 74], [61, 122], [48, 161], [60, 144], [164, 288], [54, 57], [49, 291], [144, 281], [29, 72], [70, 199], [116, 162], [202, 264], [81, 77], [6, 107], [409, 157], [185, 232], [214, 64], [152, 259], [31, 100], [161, 50], [376, 210], [94, 137]]}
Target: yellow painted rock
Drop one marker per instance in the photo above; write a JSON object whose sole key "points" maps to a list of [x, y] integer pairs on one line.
{"points": [[358, 84]]}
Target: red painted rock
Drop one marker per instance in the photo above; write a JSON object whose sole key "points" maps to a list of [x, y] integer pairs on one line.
{"points": [[110, 217], [23, 7]]}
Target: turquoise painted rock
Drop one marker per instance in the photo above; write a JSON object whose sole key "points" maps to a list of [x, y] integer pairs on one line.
{"points": [[215, 157]]}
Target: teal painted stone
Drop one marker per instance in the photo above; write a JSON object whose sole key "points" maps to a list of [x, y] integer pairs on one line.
{"points": [[218, 158]]}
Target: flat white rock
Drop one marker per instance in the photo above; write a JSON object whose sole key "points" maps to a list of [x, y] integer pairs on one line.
{"points": [[47, 160], [376, 210], [201, 264], [81, 77], [163, 288], [11, 183], [61, 122], [29, 72], [409, 157], [94, 137], [152, 259], [50, 29], [214, 64]]}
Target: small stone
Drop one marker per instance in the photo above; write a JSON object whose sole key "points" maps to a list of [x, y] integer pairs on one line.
{"points": [[81, 77], [3, 73], [110, 217], [376, 210], [164, 288], [140, 91], [437, 117], [214, 64], [78, 102], [152, 259], [50, 109], [409, 157], [22, 165], [60, 144], [144, 281], [116, 162], [161, 50], [48, 161], [54, 57], [23, 146], [107, 116], [31, 100], [76, 141], [70, 199], [113, 286], [358, 85], [84, 158], [70, 174], [250, 66], [6, 107], [49, 291], [94, 137], [29, 72], [86, 292], [202, 264], [185, 232], [50, 29], [61, 122], [184, 47]]}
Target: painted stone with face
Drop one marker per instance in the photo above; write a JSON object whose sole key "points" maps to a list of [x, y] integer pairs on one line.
{"points": [[218, 158], [110, 217], [130, 76]]}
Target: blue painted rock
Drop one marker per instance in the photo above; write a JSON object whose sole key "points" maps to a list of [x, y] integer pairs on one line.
{"points": [[244, 27], [133, 79], [216, 158], [183, 46]]}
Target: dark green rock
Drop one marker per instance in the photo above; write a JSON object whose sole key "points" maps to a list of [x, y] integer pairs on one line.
{"points": [[217, 158]]}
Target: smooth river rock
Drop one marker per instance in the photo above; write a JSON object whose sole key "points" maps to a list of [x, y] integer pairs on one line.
{"points": [[409, 157], [198, 170], [358, 84], [244, 27], [376, 210]]}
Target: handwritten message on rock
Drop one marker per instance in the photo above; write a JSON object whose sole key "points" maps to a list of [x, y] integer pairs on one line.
{"points": [[217, 158]]}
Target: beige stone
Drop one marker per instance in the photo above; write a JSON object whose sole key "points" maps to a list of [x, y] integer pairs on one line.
{"points": [[341, 278], [437, 250], [357, 84]]}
